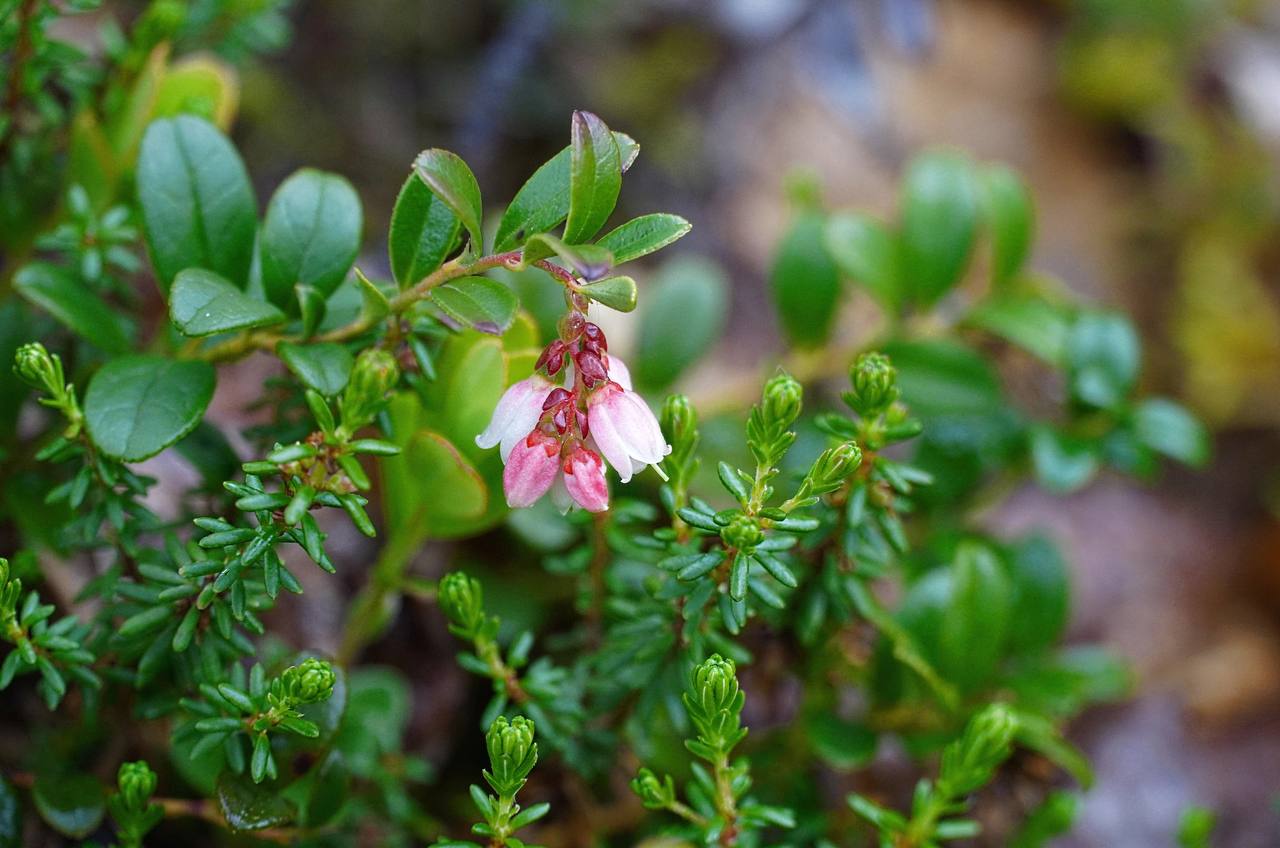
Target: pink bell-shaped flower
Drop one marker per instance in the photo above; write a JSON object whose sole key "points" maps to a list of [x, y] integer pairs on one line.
{"points": [[531, 468], [584, 477], [624, 429], [516, 414]]}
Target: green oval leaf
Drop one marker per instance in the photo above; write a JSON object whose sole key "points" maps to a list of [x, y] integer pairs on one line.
{"points": [[644, 235], [975, 624], [477, 302], [137, 406], [595, 177], [1103, 356], [1169, 428], [866, 251], [451, 180], [202, 303], [323, 367], [198, 206], [423, 232], [939, 223], [614, 292], [1010, 216], [683, 316], [805, 282], [1063, 463], [248, 806], [1041, 594], [543, 202], [71, 804], [589, 261], [310, 236], [57, 291]]}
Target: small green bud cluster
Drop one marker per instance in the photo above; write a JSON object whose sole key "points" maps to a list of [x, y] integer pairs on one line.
{"points": [[768, 428], [680, 426], [131, 805], [970, 761], [43, 370], [137, 784], [874, 381], [374, 375], [743, 532], [461, 598], [714, 702], [512, 754], [308, 683], [10, 591], [832, 467], [655, 794]]}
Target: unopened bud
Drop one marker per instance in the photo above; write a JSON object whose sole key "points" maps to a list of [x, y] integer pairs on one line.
{"points": [[715, 684], [742, 532], [969, 762], [874, 382], [374, 375], [462, 601], [782, 400], [512, 752], [35, 365], [655, 794], [832, 466], [137, 784], [310, 682]]}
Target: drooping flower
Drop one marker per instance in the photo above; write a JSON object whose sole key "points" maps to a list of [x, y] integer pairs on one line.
{"points": [[516, 414], [584, 477], [625, 430], [531, 468]]}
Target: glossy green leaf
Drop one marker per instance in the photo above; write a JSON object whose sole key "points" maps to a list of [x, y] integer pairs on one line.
{"points": [[73, 804], [805, 282], [198, 206], [57, 291], [644, 235], [1010, 218], [543, 202], [374, 303], [137, 406], [975, 625], [939, 222], [477, 302], [1041, 594], [423, 232], [683, 316], [323, 367], [1169, 428], [310, 235], [202, 303], [1028, 320], [1103, 357], [312, 307], [451, 180], [866, 251], [595, 177], [249, 806], [614, 292], [1063, 463]]}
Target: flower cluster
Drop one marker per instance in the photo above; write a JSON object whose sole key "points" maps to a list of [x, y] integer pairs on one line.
{"points": [[576, 407]]}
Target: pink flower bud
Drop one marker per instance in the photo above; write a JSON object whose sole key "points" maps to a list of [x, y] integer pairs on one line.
{"points": [[516, 414], [531, 469], [584, 478], [625, 430]]}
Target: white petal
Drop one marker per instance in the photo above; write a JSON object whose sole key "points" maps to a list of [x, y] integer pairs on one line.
{"points": [[642, 431], [560, 495], [606, 435], [501, 416], [619, 373]]}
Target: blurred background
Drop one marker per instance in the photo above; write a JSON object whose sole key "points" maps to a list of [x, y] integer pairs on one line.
{"points": [[1149, 133]]}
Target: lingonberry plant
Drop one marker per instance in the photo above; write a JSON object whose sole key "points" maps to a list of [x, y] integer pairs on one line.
{"points": [[819, 573]]}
